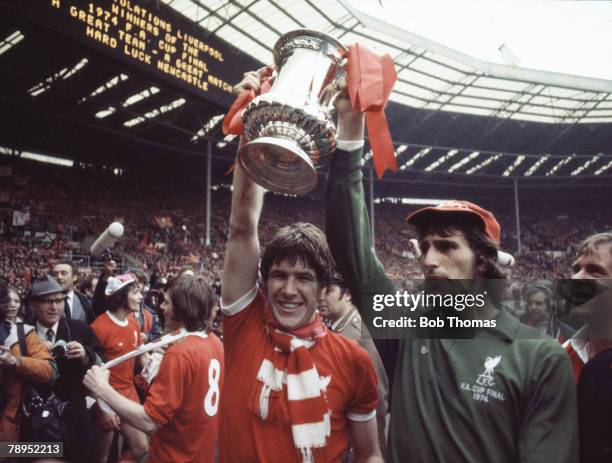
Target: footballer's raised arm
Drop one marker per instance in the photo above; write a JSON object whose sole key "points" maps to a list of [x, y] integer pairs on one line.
{"points": [[242, 249]]}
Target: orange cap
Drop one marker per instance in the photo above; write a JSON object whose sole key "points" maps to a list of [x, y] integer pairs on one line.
{"points": [[489, 222]]}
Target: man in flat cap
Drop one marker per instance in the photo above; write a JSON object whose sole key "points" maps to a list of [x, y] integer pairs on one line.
{"points": [[75, 348]]}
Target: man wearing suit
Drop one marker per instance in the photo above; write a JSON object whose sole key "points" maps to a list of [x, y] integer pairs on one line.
{"points": [[342, 317], [77, 305], [82, 350]]}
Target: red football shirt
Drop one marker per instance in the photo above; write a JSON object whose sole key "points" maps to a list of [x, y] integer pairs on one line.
{"points": [[344, 367], [184, 400], [119, 337]]}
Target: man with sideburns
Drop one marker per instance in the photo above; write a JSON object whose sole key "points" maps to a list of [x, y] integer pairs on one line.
{"points": [[298, 390], [505, 396]]}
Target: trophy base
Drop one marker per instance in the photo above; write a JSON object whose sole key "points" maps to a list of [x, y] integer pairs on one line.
{"points": [[278, 164]]}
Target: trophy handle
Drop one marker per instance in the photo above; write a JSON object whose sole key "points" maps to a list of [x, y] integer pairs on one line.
{"points": [[332, 100], [335, 88]]}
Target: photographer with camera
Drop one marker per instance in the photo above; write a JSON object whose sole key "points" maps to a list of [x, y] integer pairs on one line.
{"points": [[75, 348], [18, 370]]}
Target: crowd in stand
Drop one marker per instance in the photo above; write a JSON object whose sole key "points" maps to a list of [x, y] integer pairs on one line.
{"points": [[49, 225], [45, 228], [165, 229]]}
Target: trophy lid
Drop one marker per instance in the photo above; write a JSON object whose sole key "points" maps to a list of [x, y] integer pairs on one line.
{"points": [[308, 39]]}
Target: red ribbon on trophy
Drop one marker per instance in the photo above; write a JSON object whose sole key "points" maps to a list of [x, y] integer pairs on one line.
{"points": [[232, 122], [370, 79]]}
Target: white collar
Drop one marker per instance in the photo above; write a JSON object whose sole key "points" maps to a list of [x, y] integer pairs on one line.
{"points": [[42, 330], [579, 343], [70, 296], [122, 323], [183, 332], [12, 338]]}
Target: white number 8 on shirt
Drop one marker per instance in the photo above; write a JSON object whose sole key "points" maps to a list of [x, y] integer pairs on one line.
{"points": [[211, 400]]}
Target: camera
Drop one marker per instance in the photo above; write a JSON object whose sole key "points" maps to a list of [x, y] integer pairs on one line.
{"points": [[60, 348]]}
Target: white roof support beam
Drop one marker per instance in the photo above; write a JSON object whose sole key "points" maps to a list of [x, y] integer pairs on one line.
{"points": [[500, 71]]}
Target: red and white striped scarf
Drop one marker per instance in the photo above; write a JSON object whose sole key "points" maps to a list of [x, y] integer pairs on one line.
{"points": [[288, 362]]}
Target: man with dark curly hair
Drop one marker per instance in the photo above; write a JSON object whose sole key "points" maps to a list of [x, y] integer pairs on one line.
{"points": [[496, 397], [119, 334]]}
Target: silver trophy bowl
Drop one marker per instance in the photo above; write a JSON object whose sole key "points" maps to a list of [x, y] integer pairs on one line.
{"points": [[290, 129]]}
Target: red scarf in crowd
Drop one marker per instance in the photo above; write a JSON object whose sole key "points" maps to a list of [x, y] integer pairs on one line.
{"points": [[288, 362]]}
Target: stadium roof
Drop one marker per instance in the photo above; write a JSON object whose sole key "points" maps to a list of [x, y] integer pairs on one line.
{"points": [[432, 76], [555, 115], [128, 118]]}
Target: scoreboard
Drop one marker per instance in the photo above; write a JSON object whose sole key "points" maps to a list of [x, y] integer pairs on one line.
{"points": [[151, 36]]}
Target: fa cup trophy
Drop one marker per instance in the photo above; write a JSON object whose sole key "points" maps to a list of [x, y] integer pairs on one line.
{"points": [[290, 129]]}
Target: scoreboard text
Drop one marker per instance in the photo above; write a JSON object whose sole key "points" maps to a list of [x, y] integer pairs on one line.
{"points": [[152, 37]]}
